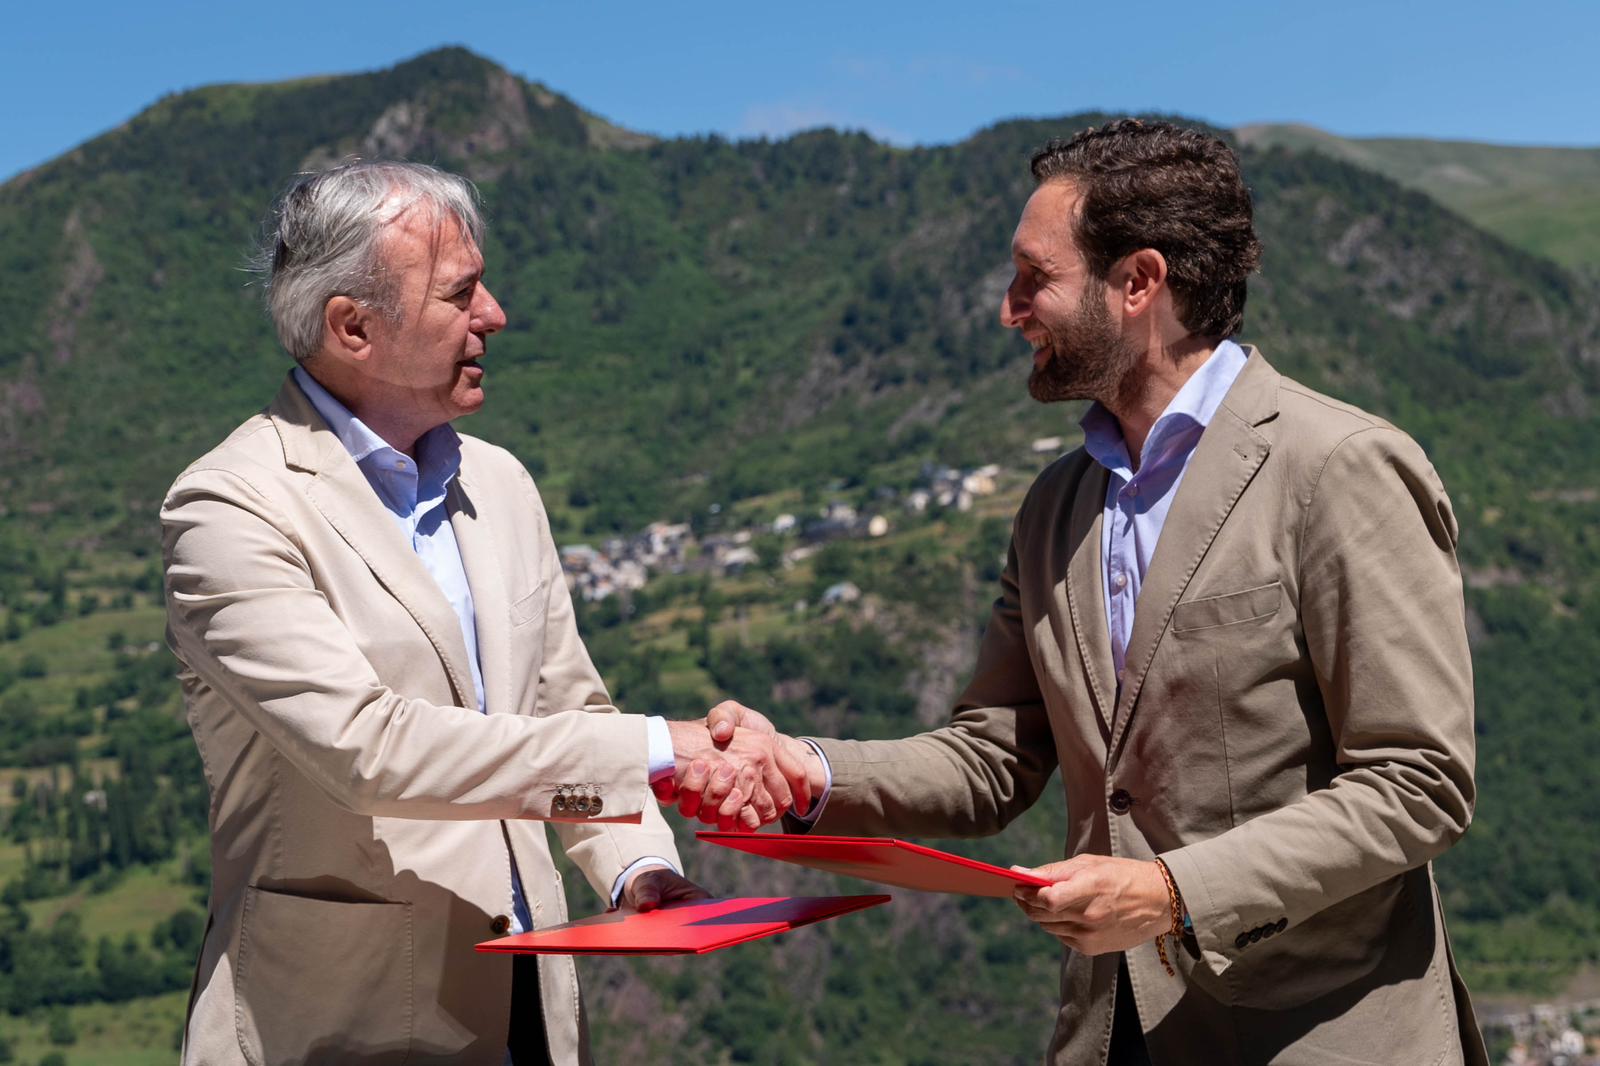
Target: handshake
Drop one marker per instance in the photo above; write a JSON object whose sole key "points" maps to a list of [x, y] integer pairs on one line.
{"points": [[734, 770]]}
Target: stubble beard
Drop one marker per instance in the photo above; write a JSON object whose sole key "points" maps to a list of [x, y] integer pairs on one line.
{"points": [[1089, 358]]}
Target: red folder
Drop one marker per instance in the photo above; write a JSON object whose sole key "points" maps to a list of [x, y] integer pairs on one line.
{"points": [[880, 859], [691, 928]]}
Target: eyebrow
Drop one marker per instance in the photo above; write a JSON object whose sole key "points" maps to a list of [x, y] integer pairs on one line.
{"points": [[463, 279], [1023, 252]]}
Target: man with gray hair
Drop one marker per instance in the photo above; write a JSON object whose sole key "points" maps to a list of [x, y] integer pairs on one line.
{"points": [[385, 681]]}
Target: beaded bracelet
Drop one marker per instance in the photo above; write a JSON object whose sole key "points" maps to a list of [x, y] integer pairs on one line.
{"points": [[1177, 918]]}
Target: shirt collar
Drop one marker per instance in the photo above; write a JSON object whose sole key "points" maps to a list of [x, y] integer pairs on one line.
{"points": [[438, 450], [1194, 406]]}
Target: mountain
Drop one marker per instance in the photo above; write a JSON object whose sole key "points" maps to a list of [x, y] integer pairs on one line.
{"points": [[716, 333], [1539, 199]]}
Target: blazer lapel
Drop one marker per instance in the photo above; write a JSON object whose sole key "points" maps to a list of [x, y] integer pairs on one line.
{"points": [[1086, 598], [490, 604], [1225, 461], [340, 491]]}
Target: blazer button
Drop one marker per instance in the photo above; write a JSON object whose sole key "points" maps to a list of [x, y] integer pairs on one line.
{"points": [[1283, 923], [1255, 934], [1242, 941], [500, 925], [1121, 802]]}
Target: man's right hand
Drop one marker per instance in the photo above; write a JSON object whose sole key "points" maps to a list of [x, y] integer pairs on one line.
{"points": [[802, 767], [734, 770]]}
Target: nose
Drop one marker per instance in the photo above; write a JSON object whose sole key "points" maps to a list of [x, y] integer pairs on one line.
{"points": [[1014, 304], [488, 317]]}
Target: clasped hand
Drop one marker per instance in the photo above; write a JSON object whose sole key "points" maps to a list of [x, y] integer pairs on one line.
{"points": [[734, 770]]}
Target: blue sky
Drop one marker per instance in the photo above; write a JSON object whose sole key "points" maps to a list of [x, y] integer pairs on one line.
{"points": [[923, 72]]}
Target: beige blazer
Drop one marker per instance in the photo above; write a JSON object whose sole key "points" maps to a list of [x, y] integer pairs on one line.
{"points": [[364, 815], [1293, 735]]}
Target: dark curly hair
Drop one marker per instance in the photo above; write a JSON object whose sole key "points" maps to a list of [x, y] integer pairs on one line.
{"points": [[1177, 190]]}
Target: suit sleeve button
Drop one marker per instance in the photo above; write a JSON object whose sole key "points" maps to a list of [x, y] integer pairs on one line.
{"points": [[1242, 940], [1255, 934], [500, 925], [1121, 802], [1283, 923]]}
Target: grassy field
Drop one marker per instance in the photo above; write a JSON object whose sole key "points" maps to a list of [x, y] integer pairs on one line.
{"points": [[12, 858], [79, 647], [139, 899], [1540, 199], [141, 1033]]}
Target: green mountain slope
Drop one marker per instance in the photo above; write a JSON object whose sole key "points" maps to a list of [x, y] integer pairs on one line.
{"points": [[1540, 199], [715, 333]]}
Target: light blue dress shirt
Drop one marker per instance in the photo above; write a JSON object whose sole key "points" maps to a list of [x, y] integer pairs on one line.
{"points": [[413, 492], [1137, 503]]}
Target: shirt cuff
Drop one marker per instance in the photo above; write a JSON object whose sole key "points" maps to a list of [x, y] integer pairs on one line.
{"points": [[634, 867], [817, 802], [663, 763]]}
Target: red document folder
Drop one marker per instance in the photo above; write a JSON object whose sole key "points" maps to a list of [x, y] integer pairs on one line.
{"points": [[880, 859], [691, 928]]}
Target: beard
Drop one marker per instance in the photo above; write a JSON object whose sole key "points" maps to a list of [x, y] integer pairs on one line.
{"points": [[1089, 357]]}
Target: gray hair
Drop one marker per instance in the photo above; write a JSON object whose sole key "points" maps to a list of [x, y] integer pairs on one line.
{"points": [[324, 238]]}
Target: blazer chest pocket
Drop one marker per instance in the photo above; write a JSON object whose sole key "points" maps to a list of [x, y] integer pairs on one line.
{"points": [[530, 608], [1233, 608], [321, 980]]}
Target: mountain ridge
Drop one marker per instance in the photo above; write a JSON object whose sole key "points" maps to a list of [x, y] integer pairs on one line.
{"points": [[1539, 198], [1530, 195]]}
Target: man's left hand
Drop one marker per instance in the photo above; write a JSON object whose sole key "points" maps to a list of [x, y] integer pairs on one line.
{"points": [[655, 885], [1099, 904]]}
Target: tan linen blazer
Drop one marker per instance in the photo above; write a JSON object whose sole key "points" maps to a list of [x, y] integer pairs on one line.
{"points": [[1293, 735], [363, 813]]}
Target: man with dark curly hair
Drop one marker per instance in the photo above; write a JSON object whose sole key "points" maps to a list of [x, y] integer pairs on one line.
{"points": [[1233, 617]]}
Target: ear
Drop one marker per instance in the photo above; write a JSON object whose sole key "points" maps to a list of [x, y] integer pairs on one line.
{"points": [[346, 327], [1144, 279]]}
